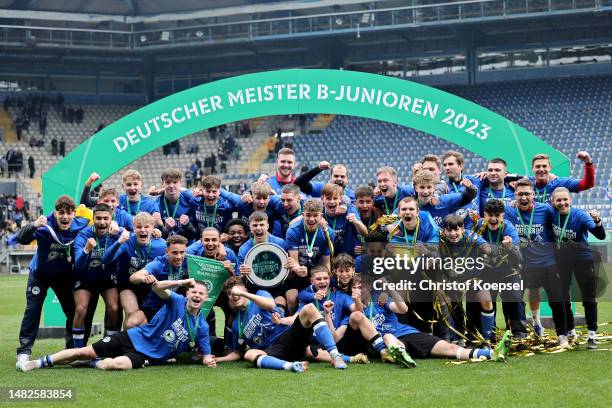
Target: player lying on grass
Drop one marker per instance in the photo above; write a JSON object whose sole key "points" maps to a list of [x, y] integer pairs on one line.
{"points": [[402, 339], [275, 342], [177, 327]]}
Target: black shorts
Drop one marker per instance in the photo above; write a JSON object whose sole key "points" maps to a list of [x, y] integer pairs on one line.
{"points": [[96, 285], [419, 345], [141, 291], [297, 282], [276, 291], [546, 277], [150, 312], [120, 344], [353, 343], [291, 345]]}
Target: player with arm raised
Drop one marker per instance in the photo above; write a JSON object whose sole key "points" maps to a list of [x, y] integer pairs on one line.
{"points": [[545, 183], [533, 222], [211, 207], [52, 267], [345, 224], [390, 192], [338, 176], [171, 266], [571, 226], [95, 277], [275, 342], [179, 326], [310, 243], [132, 254], [175, 213]]}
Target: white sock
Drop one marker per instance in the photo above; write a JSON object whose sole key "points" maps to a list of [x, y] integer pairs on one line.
{"points": [[535, 317], [458, 353], [592, 334], [287, 366]]}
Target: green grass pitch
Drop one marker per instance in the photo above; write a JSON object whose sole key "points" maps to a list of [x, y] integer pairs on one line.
{"points": [[576, 378]]}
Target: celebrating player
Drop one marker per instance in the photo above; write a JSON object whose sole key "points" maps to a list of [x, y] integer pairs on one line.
{"points": [[93, 276], [179, 326], [275, 342], [133, 201], [171, 266], [132, 254], [571, 226], [533, 222], [51, 267]]}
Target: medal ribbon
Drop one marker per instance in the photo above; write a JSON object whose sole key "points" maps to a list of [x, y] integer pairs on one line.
{"points": [[541, 198], [214, 215], [172, 276], [192, 333], [499, 230], [394, 203], [310, 246], [414, 236], [560, 238], [137, 206], [147, 251], [491, 195], [520, 217], [175, 208], [328, 296], [335, 219]]}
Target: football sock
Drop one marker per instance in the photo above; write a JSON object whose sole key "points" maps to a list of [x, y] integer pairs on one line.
{"points": [[78, 337]]}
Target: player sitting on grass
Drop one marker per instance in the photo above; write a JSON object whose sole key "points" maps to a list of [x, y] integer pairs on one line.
{"points": [[179, 326], [353, 332], [275, 342], [403, 339]]}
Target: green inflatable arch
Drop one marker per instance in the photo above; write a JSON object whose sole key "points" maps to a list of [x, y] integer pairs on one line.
{"points": [[297, 91]]}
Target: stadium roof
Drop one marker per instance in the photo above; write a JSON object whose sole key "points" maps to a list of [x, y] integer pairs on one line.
{"points": [[135, 11]]}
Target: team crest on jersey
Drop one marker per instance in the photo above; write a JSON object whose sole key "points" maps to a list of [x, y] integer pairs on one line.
{"points": [[35, 290], [52, 255], [169, 336], [257, 340], [462, 212]]}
